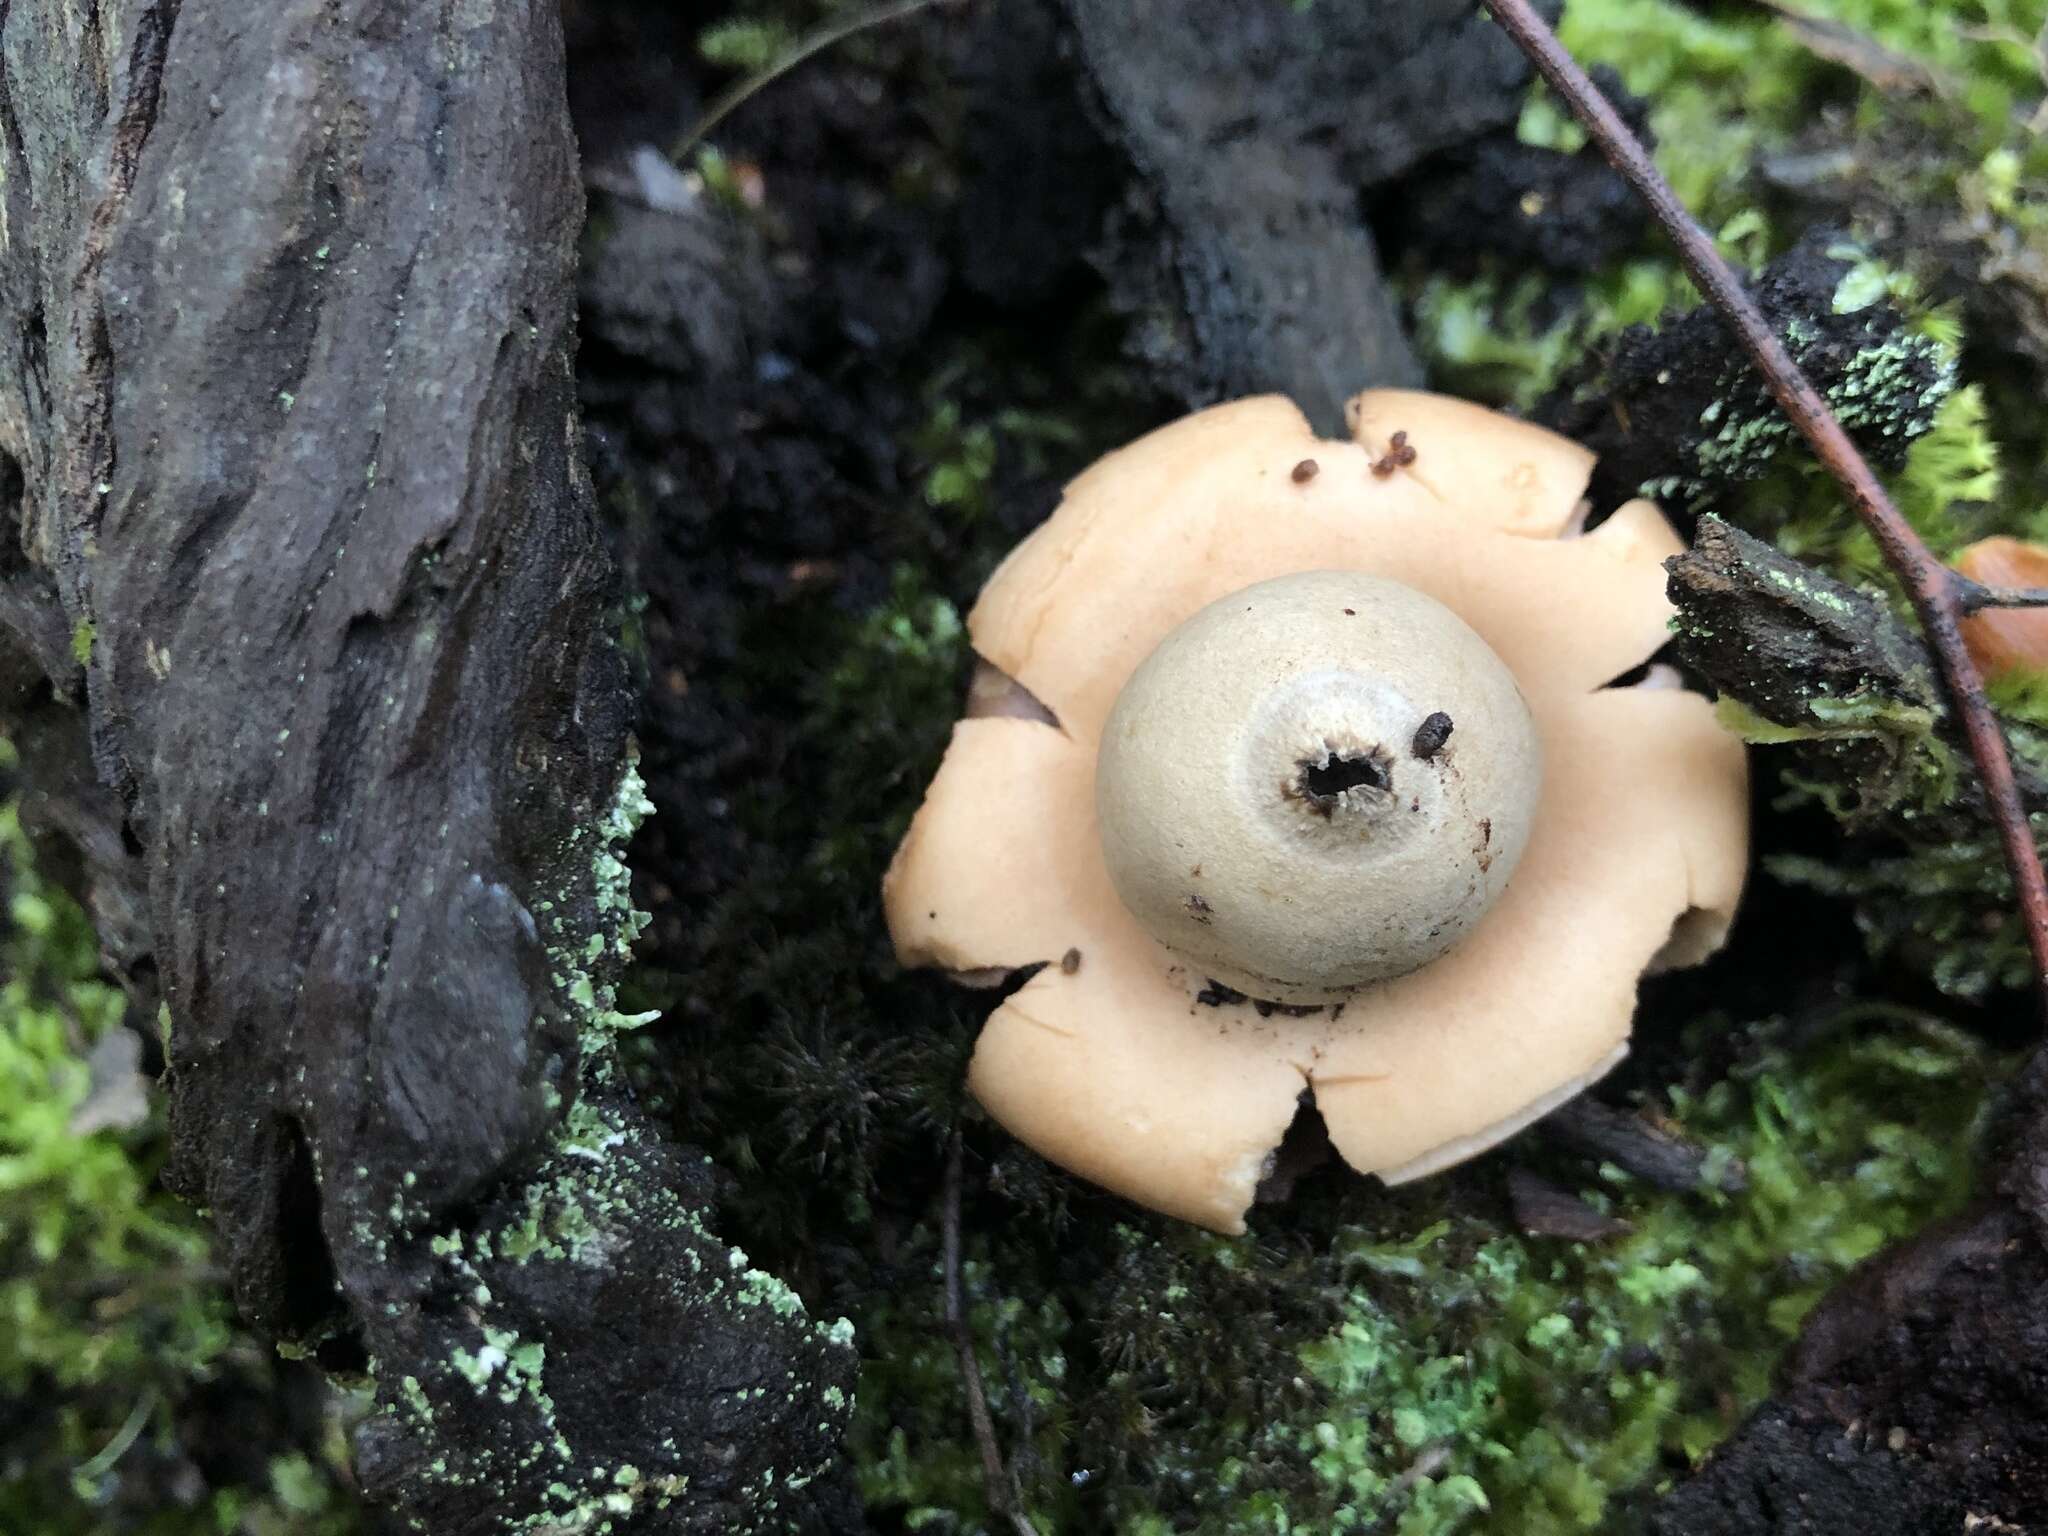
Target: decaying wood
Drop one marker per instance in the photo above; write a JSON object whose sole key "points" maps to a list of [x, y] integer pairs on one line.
{"points": [[1781, 638], [1242, 251], [288, 425], [1635, 1145]]}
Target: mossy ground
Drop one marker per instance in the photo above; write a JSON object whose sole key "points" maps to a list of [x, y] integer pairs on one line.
{"points": [[130, 1399], [1403, 1365], [1364, 1359]]}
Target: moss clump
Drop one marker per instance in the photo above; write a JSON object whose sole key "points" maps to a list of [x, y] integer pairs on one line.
{"points": [[130, 1400], [1950, 488], [747, 46], [1411, 1374], [1935, 894], [1726, 85]]}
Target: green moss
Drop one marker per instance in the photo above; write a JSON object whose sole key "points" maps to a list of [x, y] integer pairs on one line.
{"points": [[959, 446], [1727, 83], [1946, 909], [1503, 340], [1951, 488], [748, 46], [120, 1343], [1940, 899], [1727, 86], [1917, 771], [1410, 1382]]}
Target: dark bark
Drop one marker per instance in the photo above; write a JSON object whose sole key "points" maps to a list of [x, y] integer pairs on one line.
{"points": [[1679, 414], [1242, 250], [1917, 1400], [1571, 213], [1850, 688], [288, 407], [1631, 1142], [1849, 685]]}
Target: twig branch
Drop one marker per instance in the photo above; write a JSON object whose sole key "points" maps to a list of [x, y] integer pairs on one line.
{"points": [[1002, 1492], [1933, 587], [808, 46], [1975, 597]]}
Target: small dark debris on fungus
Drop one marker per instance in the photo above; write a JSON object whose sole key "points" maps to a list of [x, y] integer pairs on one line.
{"points": [[1432, 734], [1399, 455]]}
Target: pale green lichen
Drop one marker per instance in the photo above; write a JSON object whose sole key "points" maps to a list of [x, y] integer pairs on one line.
{"points": [[1895, 387], [578, 1209], [584, 966]]}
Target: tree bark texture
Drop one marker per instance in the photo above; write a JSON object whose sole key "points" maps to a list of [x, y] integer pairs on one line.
{"points": [[1254, 132], [307, 558]]}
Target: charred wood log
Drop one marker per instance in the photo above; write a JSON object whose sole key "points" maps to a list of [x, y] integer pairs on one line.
{"points": [[288, 417]]}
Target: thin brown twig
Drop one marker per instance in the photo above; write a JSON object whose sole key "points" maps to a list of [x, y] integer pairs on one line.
{"points": [[995, 1476], [1937, 593]]}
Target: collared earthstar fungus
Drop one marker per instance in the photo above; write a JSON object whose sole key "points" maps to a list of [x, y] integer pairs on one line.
{"points": [[1307, 765]]}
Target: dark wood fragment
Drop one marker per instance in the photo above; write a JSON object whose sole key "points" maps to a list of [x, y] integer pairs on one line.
{"points": [[1544, 1209], [1242, 252], [1636, 1146]]}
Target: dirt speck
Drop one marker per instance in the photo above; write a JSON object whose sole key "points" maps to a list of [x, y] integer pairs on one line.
{"points": [[1305, 471], [1399, 455], [1070, 962], [1217, 995], [1431, 735], [1198, 909]]}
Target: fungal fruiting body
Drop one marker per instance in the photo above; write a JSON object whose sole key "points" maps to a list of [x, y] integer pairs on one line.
{"points": [[1267, 810], [1343, 742]]}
